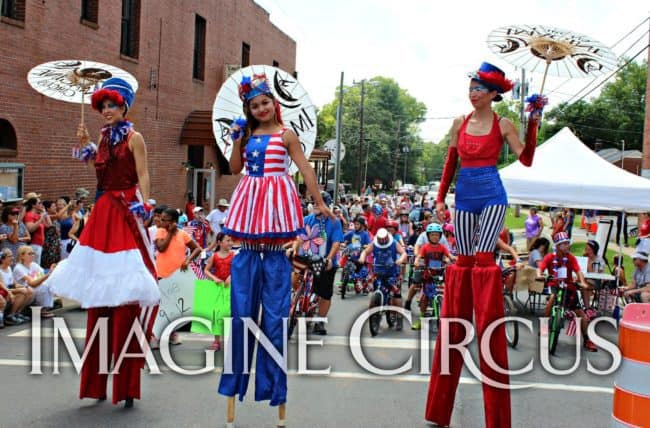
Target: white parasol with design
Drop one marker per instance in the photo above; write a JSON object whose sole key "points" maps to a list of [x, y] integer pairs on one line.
{"points": [[298, 111], [74, 80]]}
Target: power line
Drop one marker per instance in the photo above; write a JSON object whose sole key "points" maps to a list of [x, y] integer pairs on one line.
{"points": [[632, 31], [614, 73]]}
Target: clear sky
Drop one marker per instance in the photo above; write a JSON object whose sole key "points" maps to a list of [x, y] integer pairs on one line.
{"points": [[429, 46]]}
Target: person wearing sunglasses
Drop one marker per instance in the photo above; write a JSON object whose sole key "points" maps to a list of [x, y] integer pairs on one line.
{"points": [[18, 295], [28, 273], [111, 271], [473, 284], [13, 232]]}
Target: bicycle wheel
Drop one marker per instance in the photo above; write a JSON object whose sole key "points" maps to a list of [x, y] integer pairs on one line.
{"points": [[512, 327], [294, 312], [390, 318], [375, 319], [344, 283], [555, 325], [437, 309]]}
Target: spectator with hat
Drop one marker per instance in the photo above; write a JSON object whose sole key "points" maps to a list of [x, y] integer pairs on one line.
{"points": [[218, 215], [561, 266], [639, 288], [199, 228], [13, 230]]}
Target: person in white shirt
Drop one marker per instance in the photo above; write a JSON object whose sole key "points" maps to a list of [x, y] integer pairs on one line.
{"points": [[155, 224], [217, 216], [28, 273]]}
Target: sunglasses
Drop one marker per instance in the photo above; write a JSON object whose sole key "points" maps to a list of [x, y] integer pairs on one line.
{"points": [[14, 213], [108, 105], [30, 254], [478, 88]]}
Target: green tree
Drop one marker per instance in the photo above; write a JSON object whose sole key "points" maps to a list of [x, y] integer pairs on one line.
{"points": [[616, 114], [391, 119]]}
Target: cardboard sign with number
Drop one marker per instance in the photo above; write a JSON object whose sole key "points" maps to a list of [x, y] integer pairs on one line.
{"points": [[177, 298]]}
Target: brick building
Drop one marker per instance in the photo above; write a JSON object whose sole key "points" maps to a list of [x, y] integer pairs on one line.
{"points": [[179, 51]]}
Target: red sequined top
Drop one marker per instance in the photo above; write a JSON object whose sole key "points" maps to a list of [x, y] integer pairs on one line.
{"points": [[115, 165], [479, 150]]}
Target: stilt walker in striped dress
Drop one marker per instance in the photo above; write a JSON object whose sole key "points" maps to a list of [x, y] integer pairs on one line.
{"points": [[265, 213], [474, 282], [111, 270]]}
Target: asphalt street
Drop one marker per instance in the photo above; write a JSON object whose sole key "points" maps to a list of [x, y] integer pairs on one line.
{"points": [[350, 395]]}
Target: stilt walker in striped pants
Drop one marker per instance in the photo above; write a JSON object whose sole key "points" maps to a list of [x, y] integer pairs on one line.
{"points": [[473, 285], [265, 213], [111, 270]]}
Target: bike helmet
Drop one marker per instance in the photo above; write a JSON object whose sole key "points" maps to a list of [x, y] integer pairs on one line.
{"points": [[383, 239], [377, 209], [393, 224], [449, 228], [434, 227], [361, 220], [326, 197]]}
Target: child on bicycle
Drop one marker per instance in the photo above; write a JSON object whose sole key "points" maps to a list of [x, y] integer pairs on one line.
{"points": [[385, 251], [435, 256], [356, 240], [561, 265]]}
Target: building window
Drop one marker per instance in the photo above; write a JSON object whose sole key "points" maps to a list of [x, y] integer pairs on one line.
{"points": [[276, 64], [14, 9], [198, 70], [130, 41], [245, 55], [90, 11], [8, 141]]}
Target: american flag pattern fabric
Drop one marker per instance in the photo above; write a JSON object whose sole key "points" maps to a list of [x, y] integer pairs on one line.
{"points": [[265, 204]]}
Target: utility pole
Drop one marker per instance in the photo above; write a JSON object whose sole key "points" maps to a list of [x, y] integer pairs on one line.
{"points": [[399, 124], [337, 164], [623, 154], [405, 150], [357, 183], [645, 162]]}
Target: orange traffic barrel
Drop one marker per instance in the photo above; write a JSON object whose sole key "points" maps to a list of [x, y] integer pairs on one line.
{"points": [[583, 225], [632, 384], [594, 228]]}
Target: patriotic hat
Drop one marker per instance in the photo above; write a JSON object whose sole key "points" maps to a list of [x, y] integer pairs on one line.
{"points": [[383, 239], [115, 89], [249, 87], [561, 237], [493, 78]]}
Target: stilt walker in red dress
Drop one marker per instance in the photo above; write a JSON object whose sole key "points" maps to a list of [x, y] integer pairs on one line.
{"points": [[473, 284], [111, 270]]}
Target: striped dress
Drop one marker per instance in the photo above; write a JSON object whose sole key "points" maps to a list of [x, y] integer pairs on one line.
{"points": [[265, 207]]}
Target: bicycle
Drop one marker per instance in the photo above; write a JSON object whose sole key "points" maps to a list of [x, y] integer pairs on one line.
{"points": [[559, 311], [353, 272], [509, 309], [432, 291], [385, 286], [304, 301]]}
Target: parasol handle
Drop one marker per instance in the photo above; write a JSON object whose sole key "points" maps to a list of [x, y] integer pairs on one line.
{"points": [[548, 63], [83, 96]]}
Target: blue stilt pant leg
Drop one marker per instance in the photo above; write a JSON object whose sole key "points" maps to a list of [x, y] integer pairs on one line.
{"points": [[271, 378], [245, 297]]}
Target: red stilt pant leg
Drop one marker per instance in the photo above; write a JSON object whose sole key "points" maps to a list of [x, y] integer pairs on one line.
{"points": [[126, 378], [93, 384], [488, 304], [457, 303]]}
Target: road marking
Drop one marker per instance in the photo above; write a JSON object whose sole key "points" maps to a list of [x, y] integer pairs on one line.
{"points": [[361, 376], [366, 342]]}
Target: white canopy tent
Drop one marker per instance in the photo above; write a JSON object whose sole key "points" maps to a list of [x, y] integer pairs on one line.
{"points": [[566, 173]]}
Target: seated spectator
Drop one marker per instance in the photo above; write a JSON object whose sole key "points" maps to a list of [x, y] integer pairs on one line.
{"points": [[559, 224], [28, 273], [639, 289], [619, 271], [51, 244], [15, 231], [20, 296], [595, 264], [538, 252]]}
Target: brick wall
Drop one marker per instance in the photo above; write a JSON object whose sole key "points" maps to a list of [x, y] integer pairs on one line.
{"points": [[45, 128]]}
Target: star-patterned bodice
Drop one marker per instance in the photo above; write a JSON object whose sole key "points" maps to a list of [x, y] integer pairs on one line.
{"points": [[266, 155]]}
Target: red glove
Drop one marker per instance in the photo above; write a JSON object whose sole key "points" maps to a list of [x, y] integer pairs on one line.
{"points": [[447, 173], [526, 157]]}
